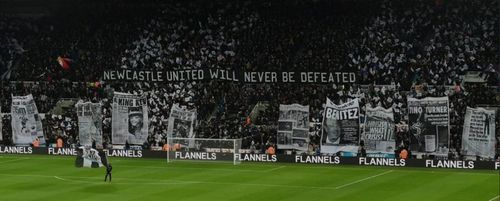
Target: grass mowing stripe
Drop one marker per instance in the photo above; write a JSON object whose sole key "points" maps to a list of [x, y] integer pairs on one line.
{"points": [[367, 178], [192, 168], [126, 183], [176, 182]]}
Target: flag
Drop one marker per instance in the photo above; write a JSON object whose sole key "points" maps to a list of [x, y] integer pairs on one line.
{"points": [[64, 62], [248, 121], [88, 157]]}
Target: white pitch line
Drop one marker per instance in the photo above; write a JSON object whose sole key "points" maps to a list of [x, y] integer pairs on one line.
{"points": [[194, 182], [19, 159], [276, 168], [492, 199], [364, 179], [133, 183], [171, 182]]}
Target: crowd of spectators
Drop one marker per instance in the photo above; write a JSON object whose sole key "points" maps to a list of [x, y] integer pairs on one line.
{"points": [[393, 45]]}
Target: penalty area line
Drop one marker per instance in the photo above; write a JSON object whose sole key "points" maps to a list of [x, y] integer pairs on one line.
{"points": [[364, 179], [495, 198], [276, 168]]}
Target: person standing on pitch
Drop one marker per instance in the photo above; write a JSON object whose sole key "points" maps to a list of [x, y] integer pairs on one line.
{"points": [[108, 172]]}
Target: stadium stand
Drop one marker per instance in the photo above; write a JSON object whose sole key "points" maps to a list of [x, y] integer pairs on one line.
{"points": [[400, 49]]}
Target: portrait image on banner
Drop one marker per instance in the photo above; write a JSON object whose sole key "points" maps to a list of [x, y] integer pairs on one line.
{"points": [[26, 122], [181, 122], [478, 138], [340, 127], [129, 119], [378, 135], [429, 124], [293, 127], [89, 123]]}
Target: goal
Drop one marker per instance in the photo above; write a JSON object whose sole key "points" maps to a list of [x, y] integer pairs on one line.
{"points": [[204, 149]]}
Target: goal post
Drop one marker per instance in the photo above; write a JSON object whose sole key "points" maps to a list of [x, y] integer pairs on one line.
{"points": [[203, 149]]}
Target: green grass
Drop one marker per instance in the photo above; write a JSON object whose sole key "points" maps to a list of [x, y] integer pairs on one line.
{"points": [[55, 178]]}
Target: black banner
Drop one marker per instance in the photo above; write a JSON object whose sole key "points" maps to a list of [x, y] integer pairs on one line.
{"points": [[229, 75], [16, 150]]}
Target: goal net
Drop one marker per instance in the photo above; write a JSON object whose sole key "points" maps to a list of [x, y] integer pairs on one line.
{"points": [[203, 149]]}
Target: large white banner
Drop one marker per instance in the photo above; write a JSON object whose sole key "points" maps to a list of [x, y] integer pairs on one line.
{"points": [[181, 122], [478, 138], [89, 123], [293, 127], [429, 124], [130, 119], [26, 122], [378, 134], [1, 124], [340, 127]]}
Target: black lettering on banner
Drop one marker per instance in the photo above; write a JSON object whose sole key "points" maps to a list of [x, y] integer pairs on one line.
{"points": [[352, 113]]}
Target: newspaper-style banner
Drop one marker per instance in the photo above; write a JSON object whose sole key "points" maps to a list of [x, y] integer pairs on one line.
{"points": [[340, 127], [89, 123], [1, 124], [130, 120], [229, 75], [293, 127], [181, 122], [26, 122], [378, 135], [478, 138], [429, 124]]}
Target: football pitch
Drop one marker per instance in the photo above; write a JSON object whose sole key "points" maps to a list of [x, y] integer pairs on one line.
{"points": [[56, 178]]}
